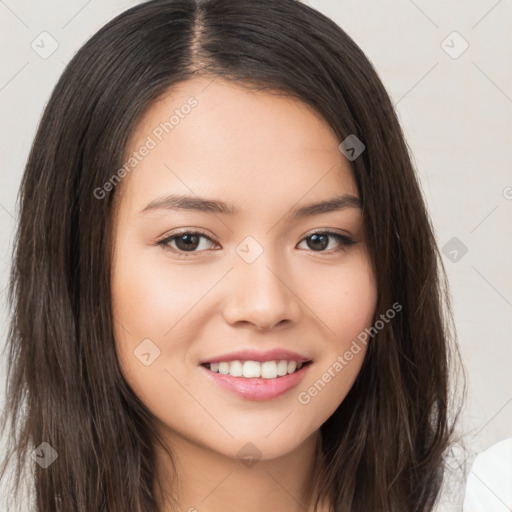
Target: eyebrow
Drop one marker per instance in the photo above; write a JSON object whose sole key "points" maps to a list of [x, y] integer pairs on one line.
{"points": [[183, 202]]}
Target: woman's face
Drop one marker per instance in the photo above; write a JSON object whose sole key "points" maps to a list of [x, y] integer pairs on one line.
{"points": [[256, 284]]}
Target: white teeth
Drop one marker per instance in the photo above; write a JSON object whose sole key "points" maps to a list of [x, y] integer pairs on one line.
{"points": [[224, 368], [255, 369], [236, 369], [251, 369], [269, 370], [282, 368]]}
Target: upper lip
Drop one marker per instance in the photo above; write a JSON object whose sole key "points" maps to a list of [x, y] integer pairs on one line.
{"points": [[276, 354]]}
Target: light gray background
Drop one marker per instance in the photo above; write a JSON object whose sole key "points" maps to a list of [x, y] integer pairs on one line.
{"points": [[456, 111]]}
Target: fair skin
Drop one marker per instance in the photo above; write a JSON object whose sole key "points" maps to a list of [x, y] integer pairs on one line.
{"points": [[267, 156]]}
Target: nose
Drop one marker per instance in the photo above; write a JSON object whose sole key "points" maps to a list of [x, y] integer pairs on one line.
{"points": [[261, 293]]}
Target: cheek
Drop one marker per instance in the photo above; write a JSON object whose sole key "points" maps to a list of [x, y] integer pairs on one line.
{"points": [[346, 302], [347, 309], [150, 296], [147, 307], [142, 306]]}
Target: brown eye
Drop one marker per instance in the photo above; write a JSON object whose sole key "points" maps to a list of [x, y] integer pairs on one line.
{"points": [[319, 242], [185, 242]]}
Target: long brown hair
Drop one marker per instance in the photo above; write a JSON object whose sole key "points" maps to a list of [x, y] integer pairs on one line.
{"points": [[383, 447]]}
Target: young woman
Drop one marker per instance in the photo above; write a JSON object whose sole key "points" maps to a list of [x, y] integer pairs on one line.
{"points": [[226, 290]]}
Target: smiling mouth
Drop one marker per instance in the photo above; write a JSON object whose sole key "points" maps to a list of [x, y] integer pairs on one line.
{"points": [[255, 369]]}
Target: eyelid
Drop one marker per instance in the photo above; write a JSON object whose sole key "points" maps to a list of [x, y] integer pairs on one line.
{"points": [[183, 231], [330, 231]]}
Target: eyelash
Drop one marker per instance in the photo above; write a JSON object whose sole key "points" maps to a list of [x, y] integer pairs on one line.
{"points": [[344, 241]]}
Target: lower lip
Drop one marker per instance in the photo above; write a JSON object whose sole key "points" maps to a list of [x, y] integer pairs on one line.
{"points": [[258, 388]]}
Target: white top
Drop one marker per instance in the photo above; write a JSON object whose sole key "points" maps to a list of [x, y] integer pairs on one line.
{"points": [[489, 483]]}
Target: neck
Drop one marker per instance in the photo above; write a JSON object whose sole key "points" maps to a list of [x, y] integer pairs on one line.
{"points": [[203, 479]]}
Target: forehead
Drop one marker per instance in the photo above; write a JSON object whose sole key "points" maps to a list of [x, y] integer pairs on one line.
{"points": [[216, 138]]}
